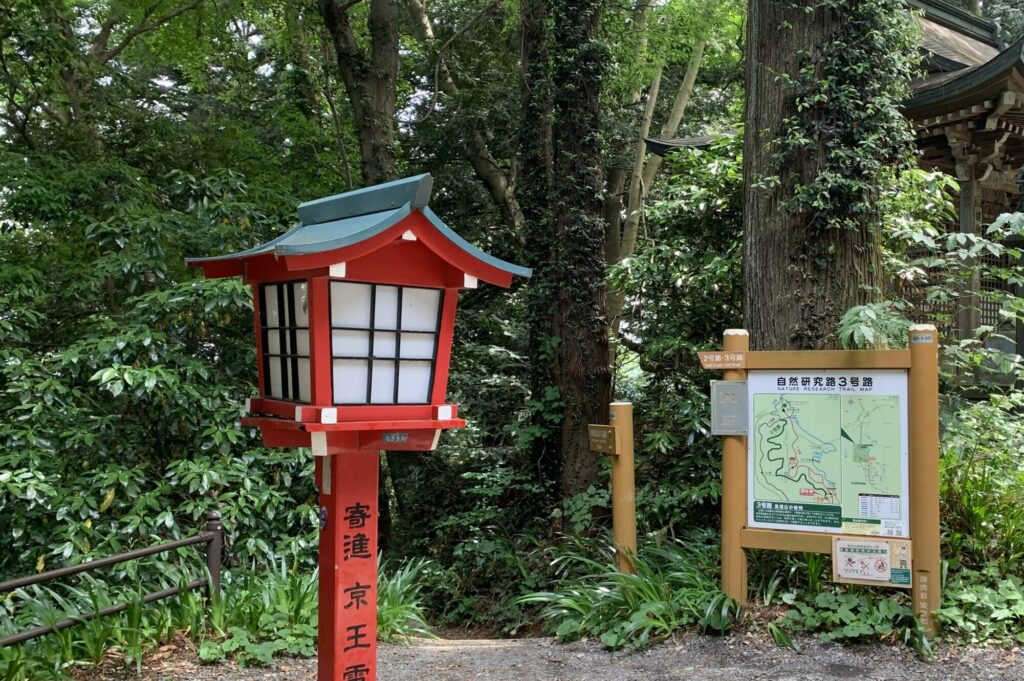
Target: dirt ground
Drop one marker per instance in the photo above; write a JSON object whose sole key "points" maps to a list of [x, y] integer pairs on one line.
{"points": [[692, 658]]}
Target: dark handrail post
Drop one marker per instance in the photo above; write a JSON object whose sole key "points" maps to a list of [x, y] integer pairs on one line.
{"points": [[214, 549]]}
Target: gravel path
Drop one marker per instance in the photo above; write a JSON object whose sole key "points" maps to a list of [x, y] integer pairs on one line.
{"points": [[702, 658]]}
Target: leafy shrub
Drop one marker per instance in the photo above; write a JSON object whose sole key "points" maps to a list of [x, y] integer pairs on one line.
{"points": [[257, 617], [984, 607], [983, 483], [854, 615], [675, 587]]}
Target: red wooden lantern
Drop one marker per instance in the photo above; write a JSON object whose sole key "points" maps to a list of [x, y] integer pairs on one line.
{"points": [[354, 314]]}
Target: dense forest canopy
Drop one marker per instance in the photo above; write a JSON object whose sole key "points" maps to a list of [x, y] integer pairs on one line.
{"points": [[134, 133]]}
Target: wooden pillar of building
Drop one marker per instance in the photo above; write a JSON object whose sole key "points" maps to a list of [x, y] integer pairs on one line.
{"points": [[970, 221]]}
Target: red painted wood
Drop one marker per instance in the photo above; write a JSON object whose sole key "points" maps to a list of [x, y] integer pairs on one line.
{"points": [[220, 268], [374, 412], [275, 437], [444, 347], [320, 341], [347, 619], [408, 263], [257, 326], [269, 267], [454, 255], [274, 423]]}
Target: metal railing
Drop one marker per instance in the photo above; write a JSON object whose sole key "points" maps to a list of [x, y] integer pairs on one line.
{"points": [[213, 537]]}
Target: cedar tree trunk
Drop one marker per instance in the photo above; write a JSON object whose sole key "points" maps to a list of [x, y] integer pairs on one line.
{"points": [[798, 279]]}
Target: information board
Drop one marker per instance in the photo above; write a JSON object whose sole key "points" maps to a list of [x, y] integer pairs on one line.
{"points": [[828, 451]]}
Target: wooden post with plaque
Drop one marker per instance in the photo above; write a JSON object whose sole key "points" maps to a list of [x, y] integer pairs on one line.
{"points": [[840, 456], [616, 439]]}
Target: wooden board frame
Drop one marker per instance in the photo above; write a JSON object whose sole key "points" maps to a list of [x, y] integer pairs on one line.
{"points": [[922, 366]]}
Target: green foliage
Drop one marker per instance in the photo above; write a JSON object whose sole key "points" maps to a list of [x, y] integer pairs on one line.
{"points": [[983, 483], [876, 326], [847, 95], [257, 617], [675, 587], [682, 289], [984, 607], [400, 611], [853, 615]]}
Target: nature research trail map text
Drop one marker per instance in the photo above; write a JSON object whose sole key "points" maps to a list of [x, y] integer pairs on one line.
{"points": [[828, 452]]}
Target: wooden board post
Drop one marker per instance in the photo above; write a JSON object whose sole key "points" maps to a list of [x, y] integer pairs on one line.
{"points": [[347, 620], [623, 486], [734, 487], [924, 472]]}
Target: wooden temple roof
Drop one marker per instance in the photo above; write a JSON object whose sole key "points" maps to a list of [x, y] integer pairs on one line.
{"points": [[969, 108]]}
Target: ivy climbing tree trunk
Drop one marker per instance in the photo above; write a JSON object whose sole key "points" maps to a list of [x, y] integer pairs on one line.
{"points": [[534, 190], [813, 172], [580, 321], [561, 200]]}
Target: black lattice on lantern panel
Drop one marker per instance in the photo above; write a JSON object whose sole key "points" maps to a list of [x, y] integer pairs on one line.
{"points": [[284, 316], [383, 342]]}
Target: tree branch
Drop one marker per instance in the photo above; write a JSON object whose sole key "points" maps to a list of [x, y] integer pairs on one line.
{"points": [[498, 183], [678, 108], [144, 26]]}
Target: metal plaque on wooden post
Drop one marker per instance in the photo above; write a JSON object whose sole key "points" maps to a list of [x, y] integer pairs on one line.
{"points": [[617, 439]]}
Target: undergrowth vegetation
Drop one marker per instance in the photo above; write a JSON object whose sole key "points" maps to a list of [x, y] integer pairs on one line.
{"points": [[257, 616], [675, 587]]}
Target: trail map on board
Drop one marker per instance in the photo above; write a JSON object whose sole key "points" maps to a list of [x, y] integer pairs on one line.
{"points": [[828, 451]]}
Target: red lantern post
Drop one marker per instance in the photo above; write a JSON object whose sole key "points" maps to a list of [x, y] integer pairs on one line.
{"points": [[354, 311]]}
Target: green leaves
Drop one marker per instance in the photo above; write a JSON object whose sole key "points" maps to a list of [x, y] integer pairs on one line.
{"points": [[674, 588], [852, 615], [847, 97], [984, 608], [876, 326]]}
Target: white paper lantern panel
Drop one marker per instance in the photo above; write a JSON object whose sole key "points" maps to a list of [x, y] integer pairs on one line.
{"points": [[301, 304], [350, 381], [414, 382], [385, 309], [350, 305], [385, 343], [419, 309], [346, 343], [304, 383], [271, 310], [382, 390], [418, 345]]}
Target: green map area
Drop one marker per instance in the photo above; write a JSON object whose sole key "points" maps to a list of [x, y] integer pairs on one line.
{"points": [[829, 461]]}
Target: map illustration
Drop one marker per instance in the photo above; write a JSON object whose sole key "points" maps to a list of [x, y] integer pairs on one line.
{"points": [[828, 461]]}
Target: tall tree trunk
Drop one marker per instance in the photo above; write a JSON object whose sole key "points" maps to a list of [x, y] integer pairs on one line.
{"points": [[580, 321], [799, 278], [370, 80], [534, 191]]}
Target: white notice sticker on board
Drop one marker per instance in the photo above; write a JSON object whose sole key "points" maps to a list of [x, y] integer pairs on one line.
{"points": [[885, 506], [863, 560]]}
